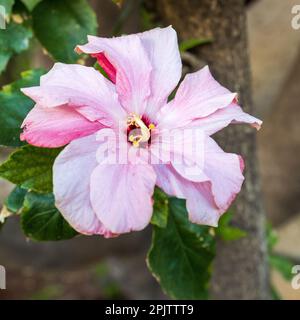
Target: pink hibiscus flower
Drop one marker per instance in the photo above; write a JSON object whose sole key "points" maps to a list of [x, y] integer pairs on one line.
{"points": [[76, 105]]}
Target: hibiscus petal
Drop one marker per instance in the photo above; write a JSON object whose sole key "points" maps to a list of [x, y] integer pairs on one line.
{"points": [[223, 117], [128, 56], [71, 181], [206, 200], [183, 148], [55, 127], [225, 173], [161, 45], [198, 96], [200, 203], [80, 87], [121, 196]]}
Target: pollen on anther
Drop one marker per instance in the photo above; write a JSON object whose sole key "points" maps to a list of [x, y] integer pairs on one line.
{"points": [[151, 126]]}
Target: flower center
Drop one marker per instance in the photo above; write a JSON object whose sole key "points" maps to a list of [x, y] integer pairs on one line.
{"points": [[138, 132]]}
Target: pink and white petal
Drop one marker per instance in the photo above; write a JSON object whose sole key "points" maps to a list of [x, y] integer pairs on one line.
{"points": [[55, 127], [225, 172], [183, 148], [71, 181], [223, 117], [80, 87], [161, 45], [121, 196], [200, 203], [129, 57], [198, 96], [206, 200]]}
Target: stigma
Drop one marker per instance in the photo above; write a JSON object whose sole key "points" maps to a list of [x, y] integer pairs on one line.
{"points": [[139, 133]]}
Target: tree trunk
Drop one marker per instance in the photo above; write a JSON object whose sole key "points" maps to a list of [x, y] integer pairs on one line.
{"points": [[240, 268]]}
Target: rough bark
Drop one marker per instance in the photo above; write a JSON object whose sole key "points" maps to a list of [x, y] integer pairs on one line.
{"points": [[240, 268]]}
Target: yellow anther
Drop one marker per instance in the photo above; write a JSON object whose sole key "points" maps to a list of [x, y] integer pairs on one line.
{"points": [[141, 133], [131, 138], [136, 144], [151, 126]]}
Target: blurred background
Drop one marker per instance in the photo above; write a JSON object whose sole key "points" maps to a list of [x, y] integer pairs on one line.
{"points": [[94, 268]]}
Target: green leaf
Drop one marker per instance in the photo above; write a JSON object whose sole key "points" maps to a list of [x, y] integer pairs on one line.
{"points": [[7, 4], [41, 221], [31, 168], [14, 202], [61, 25], [14, 106], [160, 208], [283, 265], [4, 58], [14, 39], [226, 232], [31, 4], [192, 43], [181, 255]]}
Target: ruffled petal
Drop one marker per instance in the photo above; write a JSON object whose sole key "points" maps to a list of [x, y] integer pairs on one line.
{"points": [[223, 117], [207, 200], [55, 127], [200, 203], [161, 45], [121, 195], [133, 68], [183, 148], [82, 88], [225, 172], [71, 181], [198, 96]]}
